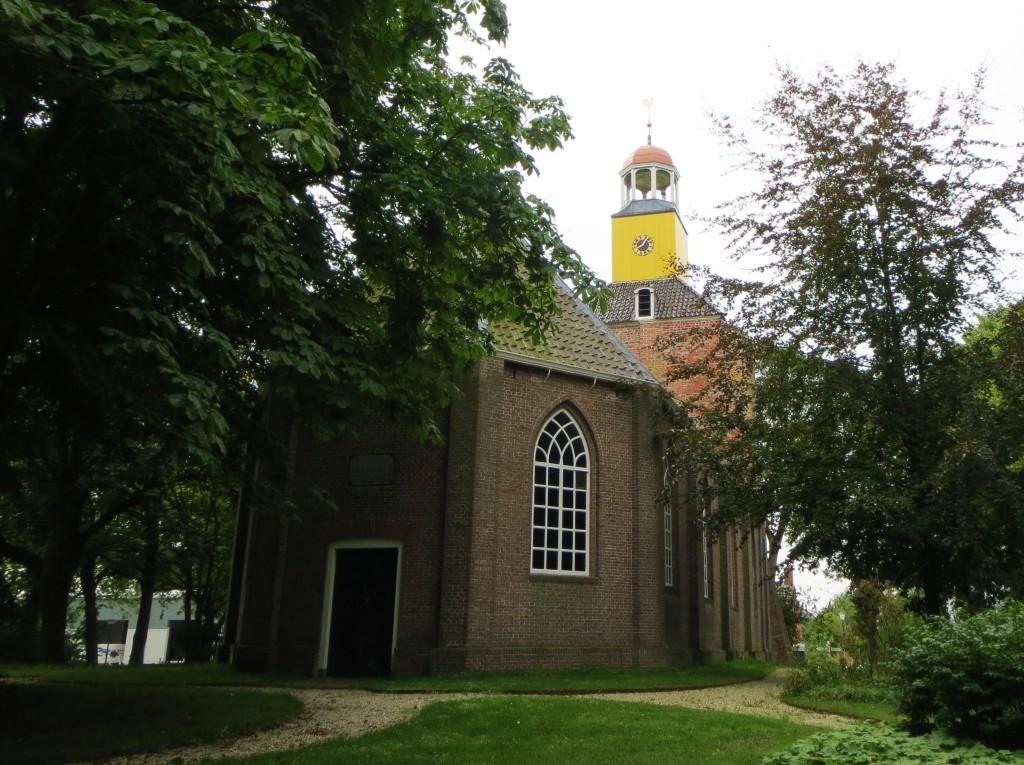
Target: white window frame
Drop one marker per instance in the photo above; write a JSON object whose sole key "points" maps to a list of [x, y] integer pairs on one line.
{"points": [[560, 515], [636, 303]]}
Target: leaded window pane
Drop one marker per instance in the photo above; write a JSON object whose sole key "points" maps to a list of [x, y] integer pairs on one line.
{"points": [[561, 498]]}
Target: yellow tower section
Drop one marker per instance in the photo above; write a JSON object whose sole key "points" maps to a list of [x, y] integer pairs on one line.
{"points": [[648, 236]]}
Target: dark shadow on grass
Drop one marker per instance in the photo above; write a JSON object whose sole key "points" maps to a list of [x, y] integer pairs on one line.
{"points": [[51, 723]]}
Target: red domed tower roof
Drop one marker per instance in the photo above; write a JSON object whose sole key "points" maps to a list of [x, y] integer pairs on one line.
{"points": [[647, 154]]}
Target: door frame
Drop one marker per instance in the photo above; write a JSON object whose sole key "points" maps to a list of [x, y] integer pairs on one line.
{"points": [[328, 606]]}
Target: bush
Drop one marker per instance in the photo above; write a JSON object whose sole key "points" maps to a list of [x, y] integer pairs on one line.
{"points": [[821, 668], [967, 676], [863, 745], [868, 693], [877, 623]]}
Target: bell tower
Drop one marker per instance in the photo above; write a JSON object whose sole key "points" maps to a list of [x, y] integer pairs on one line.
{"points": [[652, 307], [648, 236]]}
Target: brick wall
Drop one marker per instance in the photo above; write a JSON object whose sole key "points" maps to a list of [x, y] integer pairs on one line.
{"points": [[733, 620], [462, 515], [655, 343], [611, 616], [285, 576]]}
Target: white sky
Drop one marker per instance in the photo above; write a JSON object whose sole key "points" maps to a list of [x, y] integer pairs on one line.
{"points": [[604, 58]]}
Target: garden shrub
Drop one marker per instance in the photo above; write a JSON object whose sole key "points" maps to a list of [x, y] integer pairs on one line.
{"points": [[881, 745], [821, 668], [863, 692], [967, 676]]}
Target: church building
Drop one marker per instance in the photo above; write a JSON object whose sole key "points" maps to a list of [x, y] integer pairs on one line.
{"points": [[541, 533]]}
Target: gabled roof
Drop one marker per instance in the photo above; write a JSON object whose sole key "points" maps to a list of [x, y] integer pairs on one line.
{"points": [[673, 299], [579, 344]]}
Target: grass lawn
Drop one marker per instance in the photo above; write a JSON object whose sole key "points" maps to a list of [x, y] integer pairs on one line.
{"points": [[555, 730], [565, 681], [149, 674], [80, 713], [51, 723], [865, 710]]}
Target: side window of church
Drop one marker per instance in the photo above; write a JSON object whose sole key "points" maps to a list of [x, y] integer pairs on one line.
{"points": [[644, 303], [705, 543], [667, 528], [561, 498]]}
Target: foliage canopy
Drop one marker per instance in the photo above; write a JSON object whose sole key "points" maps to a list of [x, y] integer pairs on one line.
{"points": [[205, 203]]}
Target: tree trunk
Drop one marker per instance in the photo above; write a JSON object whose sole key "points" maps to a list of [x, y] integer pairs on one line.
{"points": [[932, 597], [142, 626], [53, 611], [147, 588], [87, 576], [60, 562]]}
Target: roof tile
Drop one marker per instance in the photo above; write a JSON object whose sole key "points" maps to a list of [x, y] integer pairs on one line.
{"points": [[580, 342], [673, 299]]}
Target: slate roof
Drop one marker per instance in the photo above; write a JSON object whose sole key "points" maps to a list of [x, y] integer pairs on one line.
{"points": [[580, 344], [673, 299], [646, 207]]}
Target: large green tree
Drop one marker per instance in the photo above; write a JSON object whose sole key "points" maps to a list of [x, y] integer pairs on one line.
{"points": [[203, 202], [981, 477], [773, 428], [872, 229]]}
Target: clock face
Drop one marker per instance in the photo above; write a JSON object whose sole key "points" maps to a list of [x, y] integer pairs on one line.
{"points": [[643, 244]]}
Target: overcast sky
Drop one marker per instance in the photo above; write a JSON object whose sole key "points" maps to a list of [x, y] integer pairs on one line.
{"points": [[604, 58]]}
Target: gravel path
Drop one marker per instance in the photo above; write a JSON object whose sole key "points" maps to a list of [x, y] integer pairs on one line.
{"points": [[330, 713], [760, 698], [327, 714]]}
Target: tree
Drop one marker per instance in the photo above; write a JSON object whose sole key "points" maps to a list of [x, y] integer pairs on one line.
{"points": [[770, 424], [204, 203], [794, 612], [200, 523], [873, 231], [981, 475], [177, 544]]}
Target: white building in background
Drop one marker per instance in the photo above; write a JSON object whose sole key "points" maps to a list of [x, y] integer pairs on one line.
{"points": [[116, 624]]}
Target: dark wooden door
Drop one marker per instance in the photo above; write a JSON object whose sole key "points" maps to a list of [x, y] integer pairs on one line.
{"points": [[362, 612]]}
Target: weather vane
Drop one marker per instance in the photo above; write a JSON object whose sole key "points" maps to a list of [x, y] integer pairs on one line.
{"points": [[649, 102]]}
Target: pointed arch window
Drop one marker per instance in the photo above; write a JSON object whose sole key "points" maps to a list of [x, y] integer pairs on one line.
{"points": [[667, 527], [705, 542], [561, 499], [645, 303]]}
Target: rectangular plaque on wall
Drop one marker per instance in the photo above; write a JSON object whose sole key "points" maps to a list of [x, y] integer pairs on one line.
{"points": [[371, 470]]}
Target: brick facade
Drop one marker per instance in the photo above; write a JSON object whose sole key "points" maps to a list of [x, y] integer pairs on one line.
{"points": [[657, 343], [461, 516], [736, 617]]}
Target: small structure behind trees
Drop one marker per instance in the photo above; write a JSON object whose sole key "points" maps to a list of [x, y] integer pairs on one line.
{"points": [[169, 636]]}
